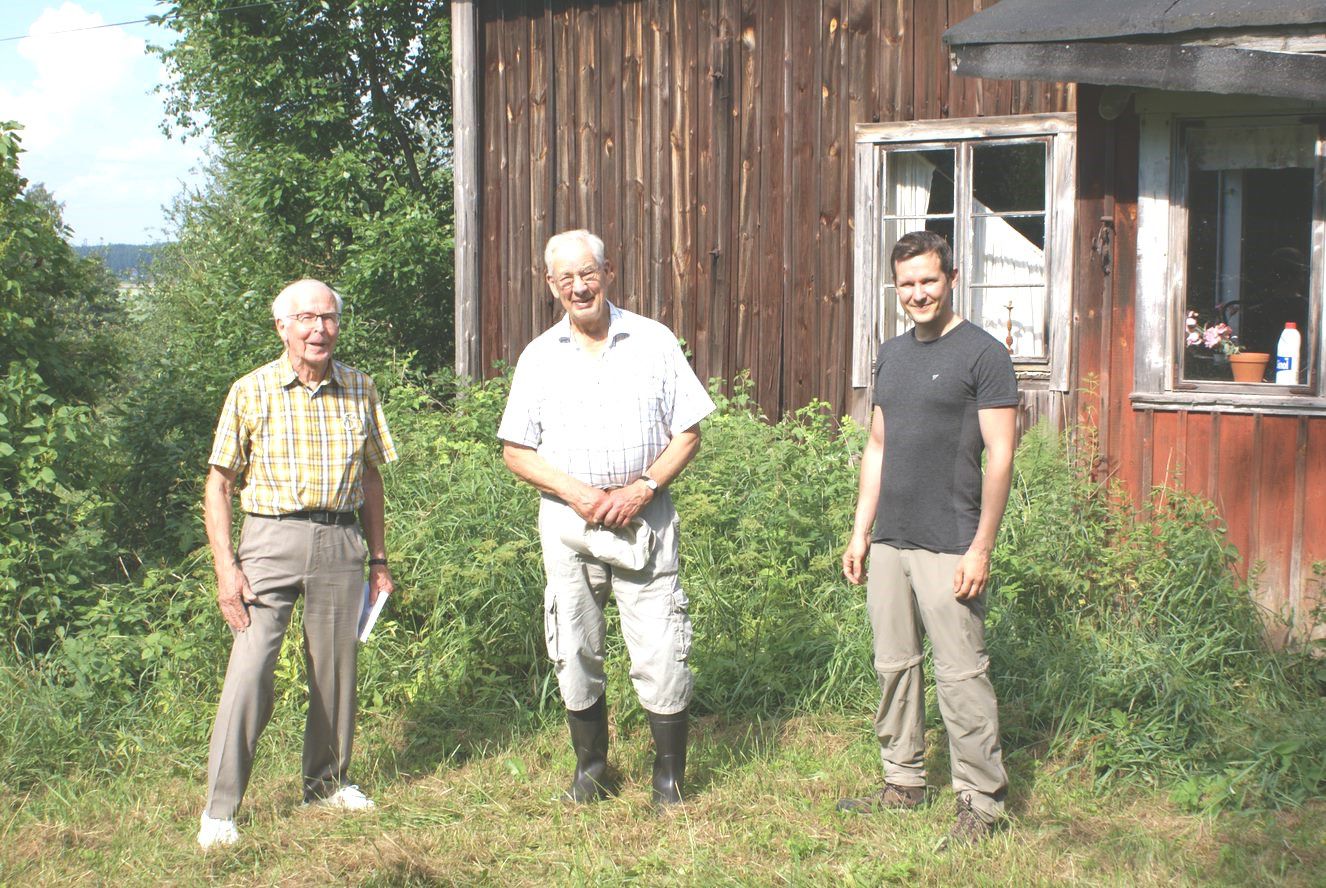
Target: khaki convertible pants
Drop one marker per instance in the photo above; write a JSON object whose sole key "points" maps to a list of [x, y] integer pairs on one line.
{"points": [[651, 602], [283, 560], [909, 591]]}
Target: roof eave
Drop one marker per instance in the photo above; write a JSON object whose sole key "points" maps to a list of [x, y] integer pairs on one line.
{"points": [[1179, 67]]}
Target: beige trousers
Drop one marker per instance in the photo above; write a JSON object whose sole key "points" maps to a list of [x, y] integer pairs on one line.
{"points": [[909, 591], [284, 559], [651, 602]]}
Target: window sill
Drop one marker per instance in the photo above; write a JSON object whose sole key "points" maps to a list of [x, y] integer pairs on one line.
{"points": [[1273, 401]]}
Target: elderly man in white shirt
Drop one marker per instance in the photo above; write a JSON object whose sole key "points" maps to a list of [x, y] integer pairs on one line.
{"points": [[604, 413]]}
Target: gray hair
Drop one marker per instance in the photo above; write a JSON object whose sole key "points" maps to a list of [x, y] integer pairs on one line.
{"points": [[280, 305], [582, 235]]}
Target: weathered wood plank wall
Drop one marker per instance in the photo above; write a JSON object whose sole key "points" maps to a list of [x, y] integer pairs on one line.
{"points": [[1258, 469], [710, 143]]}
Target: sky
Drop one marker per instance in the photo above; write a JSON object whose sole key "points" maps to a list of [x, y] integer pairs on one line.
{"points": [[91, 120]]}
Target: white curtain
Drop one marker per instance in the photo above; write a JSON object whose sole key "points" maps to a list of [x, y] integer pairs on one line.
{"points": [[907, 194], [1003, 255], [911, 177]]}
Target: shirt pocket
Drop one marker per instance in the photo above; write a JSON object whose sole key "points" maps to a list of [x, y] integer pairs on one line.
{"points": [[354, 426]]}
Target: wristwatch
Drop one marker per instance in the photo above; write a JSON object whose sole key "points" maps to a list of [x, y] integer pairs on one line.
{"points": [[650, 483]]}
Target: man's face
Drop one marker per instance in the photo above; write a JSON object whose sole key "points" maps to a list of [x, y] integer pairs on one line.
{"points": [[926, 293], [308, 342], [580, 284]]}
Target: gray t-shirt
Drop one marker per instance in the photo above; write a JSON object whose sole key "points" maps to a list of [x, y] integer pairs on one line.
{"points": [[930, 392]]}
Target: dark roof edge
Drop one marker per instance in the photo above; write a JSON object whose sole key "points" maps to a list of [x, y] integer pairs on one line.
{"points": [[1214, 69], [1041, 21]]}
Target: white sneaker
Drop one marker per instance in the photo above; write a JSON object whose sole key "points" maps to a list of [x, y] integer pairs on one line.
{"points": [[347, 798], [213, 833]]}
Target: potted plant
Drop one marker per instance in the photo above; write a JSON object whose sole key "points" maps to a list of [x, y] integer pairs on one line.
{"points": [[1219, 338]]}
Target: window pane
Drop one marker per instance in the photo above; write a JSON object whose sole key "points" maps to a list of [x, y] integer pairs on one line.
{"points": [[919, 183], [1248, 246], [1018, 312], [1008, 250], [1008, 178]]}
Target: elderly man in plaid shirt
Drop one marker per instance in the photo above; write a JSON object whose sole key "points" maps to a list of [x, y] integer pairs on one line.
{"points": [[301, 439], [604, 413]]}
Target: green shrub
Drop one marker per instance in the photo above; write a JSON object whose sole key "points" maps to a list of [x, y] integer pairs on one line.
{"points": [[1122, 642], [57, 353], [1127, 638]]}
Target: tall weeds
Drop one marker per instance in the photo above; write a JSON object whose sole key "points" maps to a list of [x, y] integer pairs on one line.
{"points": [[1122, 642], [1126, 638]]}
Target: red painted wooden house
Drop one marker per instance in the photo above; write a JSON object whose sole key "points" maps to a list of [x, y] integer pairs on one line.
{"points": [[1104, 171]]}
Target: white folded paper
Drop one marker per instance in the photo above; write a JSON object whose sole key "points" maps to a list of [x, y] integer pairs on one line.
{"points": [[368, 614]]}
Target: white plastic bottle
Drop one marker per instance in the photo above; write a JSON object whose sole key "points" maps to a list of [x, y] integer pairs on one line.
{"points": [[1286, 355]]}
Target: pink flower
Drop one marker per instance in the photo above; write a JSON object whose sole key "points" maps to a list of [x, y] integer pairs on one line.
{"points": [[1214, 335]]}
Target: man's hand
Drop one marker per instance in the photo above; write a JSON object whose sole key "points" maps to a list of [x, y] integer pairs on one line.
{"points": [[972, 574], [854, 559], [618, 507], [379, 582], [587, 501], [232, 594]]}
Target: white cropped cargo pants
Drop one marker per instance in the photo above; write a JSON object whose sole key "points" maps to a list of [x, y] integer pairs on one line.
{"points": [[653, 608]]}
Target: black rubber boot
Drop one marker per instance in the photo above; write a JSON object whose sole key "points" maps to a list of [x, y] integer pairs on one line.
{"points": [[669, 757], [589, 739]]}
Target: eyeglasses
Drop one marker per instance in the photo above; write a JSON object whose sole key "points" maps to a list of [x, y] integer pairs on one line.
{"points": [[589, 276], [308, 319]]}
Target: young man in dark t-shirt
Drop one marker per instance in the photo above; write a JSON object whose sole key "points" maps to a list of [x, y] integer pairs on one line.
{"points": [[927, 518]]}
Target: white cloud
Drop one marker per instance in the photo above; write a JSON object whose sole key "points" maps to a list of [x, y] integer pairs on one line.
{"points": [[75, 72], [92, 126]]}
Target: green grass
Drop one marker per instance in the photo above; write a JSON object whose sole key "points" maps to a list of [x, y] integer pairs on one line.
{"points": [[761, 813], [1151, 736]]}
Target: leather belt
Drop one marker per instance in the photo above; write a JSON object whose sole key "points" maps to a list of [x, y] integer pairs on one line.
{"points": [[317, 516]]}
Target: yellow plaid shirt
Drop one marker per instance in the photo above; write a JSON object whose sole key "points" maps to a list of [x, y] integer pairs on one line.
{"points": [[296, 448]]}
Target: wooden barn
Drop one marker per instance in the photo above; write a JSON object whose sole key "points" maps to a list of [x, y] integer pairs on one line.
{"points": [[1103, 170]]}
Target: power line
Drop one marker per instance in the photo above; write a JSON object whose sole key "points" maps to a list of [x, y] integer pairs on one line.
{"points": [[140, 21]]}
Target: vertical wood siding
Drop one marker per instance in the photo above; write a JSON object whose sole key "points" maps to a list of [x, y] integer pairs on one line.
{"points": [[1258, 469], [709, 143]]}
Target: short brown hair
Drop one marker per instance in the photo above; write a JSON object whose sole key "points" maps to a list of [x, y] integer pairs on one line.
{"points": [[918, 243]]}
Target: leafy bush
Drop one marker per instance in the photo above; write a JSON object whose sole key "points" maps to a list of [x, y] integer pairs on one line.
{"points": [[765, 509], [55, 543], [333, 164], [58, 353], [1121, 641], [1127, 638], [760, 549]]}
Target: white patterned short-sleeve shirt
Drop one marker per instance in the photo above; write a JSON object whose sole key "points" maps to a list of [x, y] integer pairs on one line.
{"points": [[604, 418]]}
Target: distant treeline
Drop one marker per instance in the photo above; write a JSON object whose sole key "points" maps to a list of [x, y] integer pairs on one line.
{"points": [[126, 261]]}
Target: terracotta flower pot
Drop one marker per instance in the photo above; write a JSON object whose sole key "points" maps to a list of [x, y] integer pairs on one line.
{"points": [[1249, 366]]}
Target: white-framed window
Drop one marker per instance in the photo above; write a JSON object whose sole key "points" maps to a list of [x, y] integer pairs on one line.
{"points": [[1231, 217], [1001, 190]]}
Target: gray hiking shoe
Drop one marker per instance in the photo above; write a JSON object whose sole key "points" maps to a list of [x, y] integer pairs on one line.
{"points": [[891, 798], [968, 827]]}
